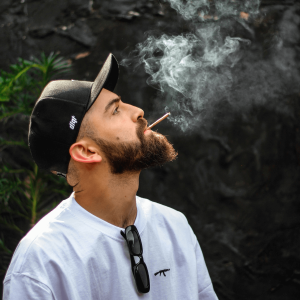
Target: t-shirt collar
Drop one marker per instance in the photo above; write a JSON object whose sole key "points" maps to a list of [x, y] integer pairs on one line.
{"points": [[106, 228]]}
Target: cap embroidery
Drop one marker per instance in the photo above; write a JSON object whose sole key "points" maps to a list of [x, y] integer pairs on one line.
{"points": [[73, 122]]}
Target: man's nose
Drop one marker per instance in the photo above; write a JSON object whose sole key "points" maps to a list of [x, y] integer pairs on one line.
{"points": [[136, 113]]}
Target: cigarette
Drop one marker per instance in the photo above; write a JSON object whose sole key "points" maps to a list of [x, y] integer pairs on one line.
{"points": [[159, 120]]}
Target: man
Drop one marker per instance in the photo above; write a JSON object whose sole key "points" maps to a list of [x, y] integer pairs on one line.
{"points": [[103, 242]]}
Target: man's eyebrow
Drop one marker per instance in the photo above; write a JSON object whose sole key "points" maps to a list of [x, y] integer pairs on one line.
{"points": [[111, 102]]}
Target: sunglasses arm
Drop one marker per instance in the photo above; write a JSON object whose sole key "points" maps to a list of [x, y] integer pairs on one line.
{"points": [[123, 234]]}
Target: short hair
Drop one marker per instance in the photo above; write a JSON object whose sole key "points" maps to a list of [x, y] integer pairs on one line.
{"points": [[85, 130]]}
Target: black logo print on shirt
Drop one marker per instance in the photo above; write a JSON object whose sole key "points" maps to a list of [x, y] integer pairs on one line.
{"points": [[162, 271]]}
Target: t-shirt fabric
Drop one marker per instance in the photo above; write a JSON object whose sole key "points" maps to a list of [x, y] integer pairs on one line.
{"points": [[70, 254]]}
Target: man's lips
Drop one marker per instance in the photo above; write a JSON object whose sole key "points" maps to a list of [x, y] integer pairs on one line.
{"points": [[146, 127]]}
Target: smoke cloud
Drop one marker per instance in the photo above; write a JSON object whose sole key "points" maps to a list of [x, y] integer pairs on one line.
{"points": [[204, 75], [206, 9]]}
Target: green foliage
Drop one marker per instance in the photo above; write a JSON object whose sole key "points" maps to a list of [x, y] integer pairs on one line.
{"points": [[26, 193], [20, 87]]}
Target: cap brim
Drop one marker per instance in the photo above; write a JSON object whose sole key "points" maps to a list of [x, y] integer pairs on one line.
{"points": [[107, 78]]}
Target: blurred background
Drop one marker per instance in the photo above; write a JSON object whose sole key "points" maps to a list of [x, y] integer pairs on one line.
{"points": [[237, 174]]}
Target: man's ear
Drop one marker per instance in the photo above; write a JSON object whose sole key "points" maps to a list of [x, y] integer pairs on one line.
{"points": [[82, 152]]}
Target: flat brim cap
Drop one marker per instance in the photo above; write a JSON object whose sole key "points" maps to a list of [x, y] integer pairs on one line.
{"points": [[57, 115], [107, 78]]}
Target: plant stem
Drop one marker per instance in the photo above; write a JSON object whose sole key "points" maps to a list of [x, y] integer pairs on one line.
{"points": [[11, 113], [13, 171], [35, 196], [16, 143], [20, 74]]}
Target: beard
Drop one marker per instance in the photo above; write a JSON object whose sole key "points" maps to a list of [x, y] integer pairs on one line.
{"points": [[152, 150]]}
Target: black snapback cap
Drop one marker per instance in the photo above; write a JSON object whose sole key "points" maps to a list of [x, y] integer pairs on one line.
{"points": [[58, 113]]}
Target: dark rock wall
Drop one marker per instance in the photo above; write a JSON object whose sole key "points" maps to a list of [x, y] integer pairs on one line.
{"points": [[238, 183]]}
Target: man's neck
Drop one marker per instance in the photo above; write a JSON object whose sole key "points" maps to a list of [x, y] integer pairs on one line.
{"points": [[111, 197]]}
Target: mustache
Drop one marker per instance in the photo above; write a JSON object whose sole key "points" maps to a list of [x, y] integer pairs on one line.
{"points": [[142, 124], [141, 127]]}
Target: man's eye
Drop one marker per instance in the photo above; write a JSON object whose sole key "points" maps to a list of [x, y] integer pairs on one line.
{"points": [[116, 110]]}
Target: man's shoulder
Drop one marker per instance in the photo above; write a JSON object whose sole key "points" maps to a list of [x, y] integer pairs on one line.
{"points": [[37, 241], [49, 225], [161, 212], [173, 223]]}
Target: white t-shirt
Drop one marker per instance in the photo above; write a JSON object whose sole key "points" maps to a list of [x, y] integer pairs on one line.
{"points": [[71, 254]]}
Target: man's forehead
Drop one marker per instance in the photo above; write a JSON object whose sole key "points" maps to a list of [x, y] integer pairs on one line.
{"points": [[107, 95], [104, 98]]}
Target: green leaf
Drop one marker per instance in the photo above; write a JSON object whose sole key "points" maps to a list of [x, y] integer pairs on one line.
{"points": [[4, 248]]}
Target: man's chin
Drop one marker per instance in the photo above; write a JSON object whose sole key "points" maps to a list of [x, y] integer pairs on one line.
{"points": [[156, 150]]}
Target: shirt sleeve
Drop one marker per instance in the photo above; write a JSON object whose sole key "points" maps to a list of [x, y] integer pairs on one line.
{"points": [[205, 288], [20, 286]]}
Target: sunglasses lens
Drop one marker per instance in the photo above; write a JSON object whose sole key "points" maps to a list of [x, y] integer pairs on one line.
{"points": [[134, 242], [141, 278]]}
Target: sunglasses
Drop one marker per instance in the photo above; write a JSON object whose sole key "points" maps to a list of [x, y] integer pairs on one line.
{"points": [[139, 269]]}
